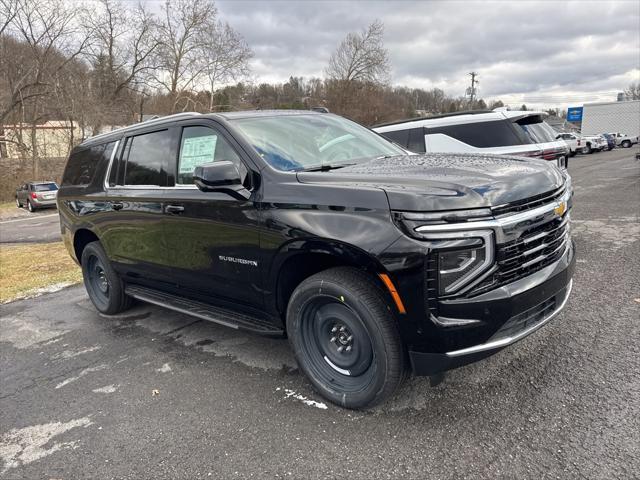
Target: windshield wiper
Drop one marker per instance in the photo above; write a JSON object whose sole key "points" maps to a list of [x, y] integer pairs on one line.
{"points": [[326, 168]]}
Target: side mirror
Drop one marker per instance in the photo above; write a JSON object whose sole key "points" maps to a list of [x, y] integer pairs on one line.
{"points": [[222, 176]]}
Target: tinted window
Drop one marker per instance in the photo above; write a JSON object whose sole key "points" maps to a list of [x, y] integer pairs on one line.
{"points": [[45, 187], [148, 158], [500, 133], [83, 164], [200, 145], [416, 140], [401, 137]]}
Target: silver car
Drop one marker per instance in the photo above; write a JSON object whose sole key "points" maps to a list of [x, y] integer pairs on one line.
{"points": [[35, 195]]}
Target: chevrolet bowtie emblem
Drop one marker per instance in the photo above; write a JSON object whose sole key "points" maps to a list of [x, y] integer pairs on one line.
{"points": [[560, 209]]}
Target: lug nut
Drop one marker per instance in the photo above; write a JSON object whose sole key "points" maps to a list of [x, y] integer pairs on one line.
{"points": [[333, 340], [348, 348], [343, 328], [340, 348], [349, 338], [334, 329]]}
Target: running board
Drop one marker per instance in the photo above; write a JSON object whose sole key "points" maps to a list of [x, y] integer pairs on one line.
{"points": [[204, 311]]}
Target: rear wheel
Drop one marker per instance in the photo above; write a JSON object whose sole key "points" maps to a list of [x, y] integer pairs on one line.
{"points": [[104, 286], [626, 144], [30, 207], [18, 204], [587, 149], [345, 337]]}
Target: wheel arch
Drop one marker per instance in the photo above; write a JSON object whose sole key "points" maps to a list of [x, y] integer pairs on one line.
{"points": [[299, 260], [81, 238]]}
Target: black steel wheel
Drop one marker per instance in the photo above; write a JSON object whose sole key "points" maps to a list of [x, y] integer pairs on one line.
{"points": [[345, 337], [104, 286]]}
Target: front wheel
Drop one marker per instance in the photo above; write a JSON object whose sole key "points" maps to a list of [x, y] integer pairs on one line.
{"points": [[626, 144], [104, 286], [587, 149], [345, 337]]}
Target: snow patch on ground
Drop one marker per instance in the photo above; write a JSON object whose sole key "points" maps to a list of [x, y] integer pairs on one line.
{"points": [[292, 394], [22, 446], [80, 375], [70, 354], [105, 389], [164, 369]]}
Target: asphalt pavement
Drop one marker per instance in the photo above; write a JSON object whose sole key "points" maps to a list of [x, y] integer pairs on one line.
{"points": [[39, 227], [156, 394]]}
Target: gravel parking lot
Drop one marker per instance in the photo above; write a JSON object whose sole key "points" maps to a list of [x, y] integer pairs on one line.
{"points": [[156, 394]]}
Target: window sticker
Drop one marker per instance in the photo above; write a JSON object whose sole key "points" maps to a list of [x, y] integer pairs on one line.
{"points": [[196, 151]]}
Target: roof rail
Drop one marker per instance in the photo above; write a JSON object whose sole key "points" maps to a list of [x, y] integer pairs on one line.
{"points": [[174, 116], [441, 115]]}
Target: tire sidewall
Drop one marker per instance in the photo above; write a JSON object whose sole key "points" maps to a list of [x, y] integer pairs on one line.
{"points": [[30, 207], [299, 300], [18, 204], [116, 288]]}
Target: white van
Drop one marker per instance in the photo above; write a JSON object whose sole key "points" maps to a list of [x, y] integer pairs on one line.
{"points": [[504, 132]]}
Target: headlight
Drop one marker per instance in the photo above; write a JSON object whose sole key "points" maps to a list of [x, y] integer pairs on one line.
{"points": [[457, 267], [470, 256]]}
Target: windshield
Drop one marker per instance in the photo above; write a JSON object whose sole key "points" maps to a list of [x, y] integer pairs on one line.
{"points": [[300, 142], [45, 187]]}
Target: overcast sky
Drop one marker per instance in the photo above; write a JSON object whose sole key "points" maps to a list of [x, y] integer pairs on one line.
{"points": [[544, 52]]}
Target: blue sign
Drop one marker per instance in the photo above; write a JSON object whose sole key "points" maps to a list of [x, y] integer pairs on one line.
{"points": [[574, 114]]}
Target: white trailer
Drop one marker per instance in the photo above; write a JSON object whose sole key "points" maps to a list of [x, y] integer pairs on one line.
{"points": [[623, 117]]}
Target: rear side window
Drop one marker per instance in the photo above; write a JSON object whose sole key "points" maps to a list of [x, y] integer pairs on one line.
{"points": [[499, 133], [83, 164], [147, 158], [411, 139], [200, 145]]}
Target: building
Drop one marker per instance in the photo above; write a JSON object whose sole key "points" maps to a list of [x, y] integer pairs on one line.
{"points": [[52, 139], [623, 117]]}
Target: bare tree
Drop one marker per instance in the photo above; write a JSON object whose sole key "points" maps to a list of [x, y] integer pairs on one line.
{"points": [[8, 11], [633, 92], [361, 57], [225, 54], [181, 33]]}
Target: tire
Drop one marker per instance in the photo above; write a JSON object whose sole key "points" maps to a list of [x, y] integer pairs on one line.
{"points": [[626, 144], [587, 149], [18, 204], [30, 207], [345, 337], [104, 286]]}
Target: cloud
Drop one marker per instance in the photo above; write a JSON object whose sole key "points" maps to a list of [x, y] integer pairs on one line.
{"points": [[520, 48]]}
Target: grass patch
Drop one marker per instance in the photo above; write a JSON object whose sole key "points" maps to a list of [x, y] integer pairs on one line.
{"points": [[7, 206], [27, 269]]}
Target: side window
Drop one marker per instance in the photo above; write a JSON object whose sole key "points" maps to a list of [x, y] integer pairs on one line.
{"points": [[416, 140], [83, 164], [200, 145], [496, 133], [147, 158], [401, 137]]}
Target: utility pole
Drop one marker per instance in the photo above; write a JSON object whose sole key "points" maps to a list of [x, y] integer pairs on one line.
{"points": [[471, 91]]}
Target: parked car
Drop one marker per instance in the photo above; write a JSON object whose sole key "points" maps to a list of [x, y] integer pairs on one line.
{"points": [[36, 195], [593, 143], [624, 140], [503, 132], [611, 141], [573, 141], [305, 224]]}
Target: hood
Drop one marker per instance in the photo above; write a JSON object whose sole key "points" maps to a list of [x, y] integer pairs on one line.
{"points": [[434, 182]]}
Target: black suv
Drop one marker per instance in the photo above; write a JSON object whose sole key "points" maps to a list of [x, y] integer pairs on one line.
{"points": [[370, 260]]}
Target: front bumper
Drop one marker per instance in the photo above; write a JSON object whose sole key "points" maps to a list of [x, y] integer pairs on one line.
{"points": [[520, 309]]}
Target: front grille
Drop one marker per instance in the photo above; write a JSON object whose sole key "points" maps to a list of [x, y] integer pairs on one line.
{"points": [[535, 249], [529, 203], [530, 317]]}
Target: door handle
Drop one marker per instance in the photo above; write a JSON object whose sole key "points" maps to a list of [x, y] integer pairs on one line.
{"points": [[174, 209], [117, 206]]}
